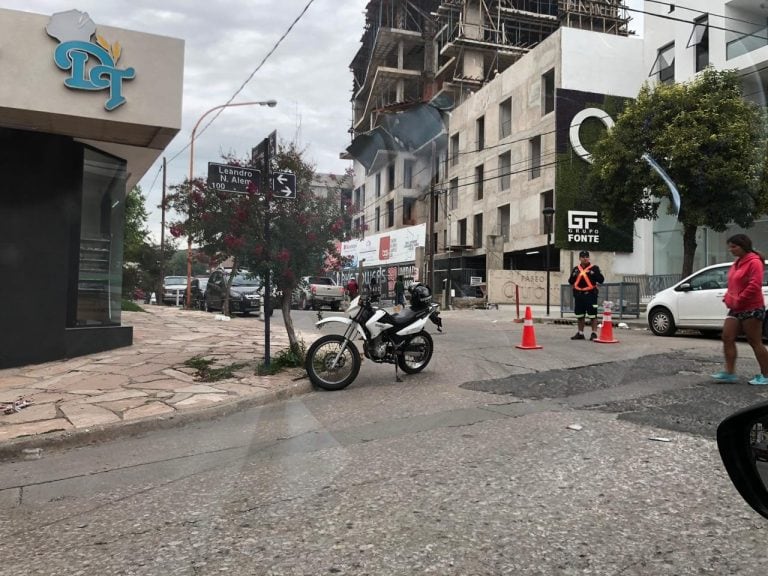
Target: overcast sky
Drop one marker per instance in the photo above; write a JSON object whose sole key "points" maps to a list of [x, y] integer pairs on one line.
{"points": [[225, 40]]}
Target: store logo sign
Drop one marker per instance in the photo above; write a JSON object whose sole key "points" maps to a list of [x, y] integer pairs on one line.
{"points": [[92, 65], [582, 226]]}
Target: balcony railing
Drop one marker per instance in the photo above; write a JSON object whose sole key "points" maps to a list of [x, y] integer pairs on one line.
{"points": [[747, 43]]}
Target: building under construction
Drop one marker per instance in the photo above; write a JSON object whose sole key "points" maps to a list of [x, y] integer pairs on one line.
{"points": [[414, 50]]}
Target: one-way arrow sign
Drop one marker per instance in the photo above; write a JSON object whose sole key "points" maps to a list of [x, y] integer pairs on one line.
{"points": [[284, 184]]}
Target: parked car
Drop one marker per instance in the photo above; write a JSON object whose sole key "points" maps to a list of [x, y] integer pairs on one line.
{"points": [[199, 284], [244, 295], [696, 302], [316, 291], [174, 289]]}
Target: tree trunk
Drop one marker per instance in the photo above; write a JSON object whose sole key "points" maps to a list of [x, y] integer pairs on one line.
{"points": [[288, 321], [230, 279], [689, 248]]}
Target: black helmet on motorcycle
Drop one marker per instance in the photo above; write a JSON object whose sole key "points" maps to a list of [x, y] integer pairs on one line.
{"points": [[421, 296]]}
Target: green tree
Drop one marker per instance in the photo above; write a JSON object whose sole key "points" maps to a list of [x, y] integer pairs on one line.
{"points": [[709, 140], [135, 233], [135, 236], [304, 231]]}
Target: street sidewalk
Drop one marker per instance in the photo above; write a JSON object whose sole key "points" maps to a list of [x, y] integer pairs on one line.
{"points": [[143, 386]]}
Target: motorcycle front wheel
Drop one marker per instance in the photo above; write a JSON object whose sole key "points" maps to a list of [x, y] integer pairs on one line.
{"points": [[416, 354], [320, 362]]}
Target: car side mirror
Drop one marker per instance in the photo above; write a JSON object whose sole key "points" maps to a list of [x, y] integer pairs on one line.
{"points": [[685, 287], [742, 439]]}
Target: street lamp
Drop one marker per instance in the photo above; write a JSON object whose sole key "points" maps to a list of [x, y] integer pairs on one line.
{"points": [[271, 104], [548, 213]]}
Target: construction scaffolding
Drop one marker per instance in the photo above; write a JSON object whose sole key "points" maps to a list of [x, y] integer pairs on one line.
{"points": [[413, 50], [477, 39]]}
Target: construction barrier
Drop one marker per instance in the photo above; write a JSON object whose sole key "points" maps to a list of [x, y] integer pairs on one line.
{"points": [[529, 335], [606, 330]]}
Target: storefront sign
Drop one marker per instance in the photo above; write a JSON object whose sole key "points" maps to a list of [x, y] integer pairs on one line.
{"points": [[582, 226], [74, 29]]}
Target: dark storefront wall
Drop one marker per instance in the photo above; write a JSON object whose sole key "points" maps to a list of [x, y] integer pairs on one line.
{"points": [[41, 208]]}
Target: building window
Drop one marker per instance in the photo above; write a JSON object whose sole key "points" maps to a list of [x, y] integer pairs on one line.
{"points": [[453, 200], [505, 167], [454, 149], [408, 174], [362, 198], [99, 281], [435, 208], [546, 200], [477, 231], [357, 198], [409, 211], [463, 232], [480, 132], [390, 213], [700, 41], [445, 240], [503, 219], [505, 118], [378, 218], [534, 147], [479, 182], [391, 177], [664, 66], [378, 184], [548, 92], [434, 243]]}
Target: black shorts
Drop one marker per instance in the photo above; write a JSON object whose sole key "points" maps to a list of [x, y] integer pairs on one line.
{"points": [[757, 314], [585, 304]]}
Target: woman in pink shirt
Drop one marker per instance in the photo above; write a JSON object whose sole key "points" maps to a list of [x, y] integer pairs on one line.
{"points": [[746, 309]]}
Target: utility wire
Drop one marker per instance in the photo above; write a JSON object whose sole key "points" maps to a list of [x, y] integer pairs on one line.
{"points": [[247, 80]]}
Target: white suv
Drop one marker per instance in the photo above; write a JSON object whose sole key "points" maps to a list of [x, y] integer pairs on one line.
{"points": [[695, 302]]}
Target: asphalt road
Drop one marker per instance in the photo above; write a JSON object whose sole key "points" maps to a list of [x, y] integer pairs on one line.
{"points": [[467, 468]]}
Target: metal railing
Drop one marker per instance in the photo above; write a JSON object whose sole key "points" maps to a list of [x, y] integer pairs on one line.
{"points": [[624, 295], [652, 284]]}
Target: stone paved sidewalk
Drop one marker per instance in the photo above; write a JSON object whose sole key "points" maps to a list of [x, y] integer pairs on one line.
{"points": [[146, 383]]}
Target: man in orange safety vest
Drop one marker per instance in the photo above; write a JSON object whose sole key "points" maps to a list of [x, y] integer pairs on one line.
{"points": [[584, 279]]}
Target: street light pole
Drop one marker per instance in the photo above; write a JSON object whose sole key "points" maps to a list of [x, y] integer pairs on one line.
{"points": [[548, 213], [271, 104]]}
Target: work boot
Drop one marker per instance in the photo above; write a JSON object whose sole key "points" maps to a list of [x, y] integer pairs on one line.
{"points": [[593, 336], [577, 336]]}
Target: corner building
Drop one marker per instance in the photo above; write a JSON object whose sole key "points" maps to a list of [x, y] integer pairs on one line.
{"points": [[85, 110]]}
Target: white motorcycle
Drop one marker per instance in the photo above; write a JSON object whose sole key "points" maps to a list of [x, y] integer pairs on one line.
{"points": [[333, 361]]}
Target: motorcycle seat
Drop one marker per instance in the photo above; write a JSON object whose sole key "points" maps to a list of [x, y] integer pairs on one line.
{"points": [[405, 316]]}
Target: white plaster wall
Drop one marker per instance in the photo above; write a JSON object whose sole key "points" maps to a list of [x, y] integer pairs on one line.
{"points": [[601, 63]]}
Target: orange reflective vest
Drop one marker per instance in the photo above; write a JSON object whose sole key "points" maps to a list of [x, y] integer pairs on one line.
{"points": [[588, 285]]}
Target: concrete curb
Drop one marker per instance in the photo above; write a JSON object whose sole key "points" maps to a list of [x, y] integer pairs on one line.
{"points": [[27, 447]]}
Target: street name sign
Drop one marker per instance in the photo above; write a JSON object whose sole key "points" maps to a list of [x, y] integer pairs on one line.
{"points": [[236, 179]]}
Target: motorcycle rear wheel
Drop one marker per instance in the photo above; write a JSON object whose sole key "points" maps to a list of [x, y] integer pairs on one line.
{"points": [[321, 356], [417, 353]]}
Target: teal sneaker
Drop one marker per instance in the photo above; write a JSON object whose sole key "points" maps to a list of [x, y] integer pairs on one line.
{"points": [[759, 380], [727, 377]]}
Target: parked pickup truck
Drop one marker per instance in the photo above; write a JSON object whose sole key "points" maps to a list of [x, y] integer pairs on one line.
{"points": [[316, 291]]}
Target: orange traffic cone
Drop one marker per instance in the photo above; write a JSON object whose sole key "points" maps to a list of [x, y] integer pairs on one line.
{"points": [[606, 331], [529, 336]]}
